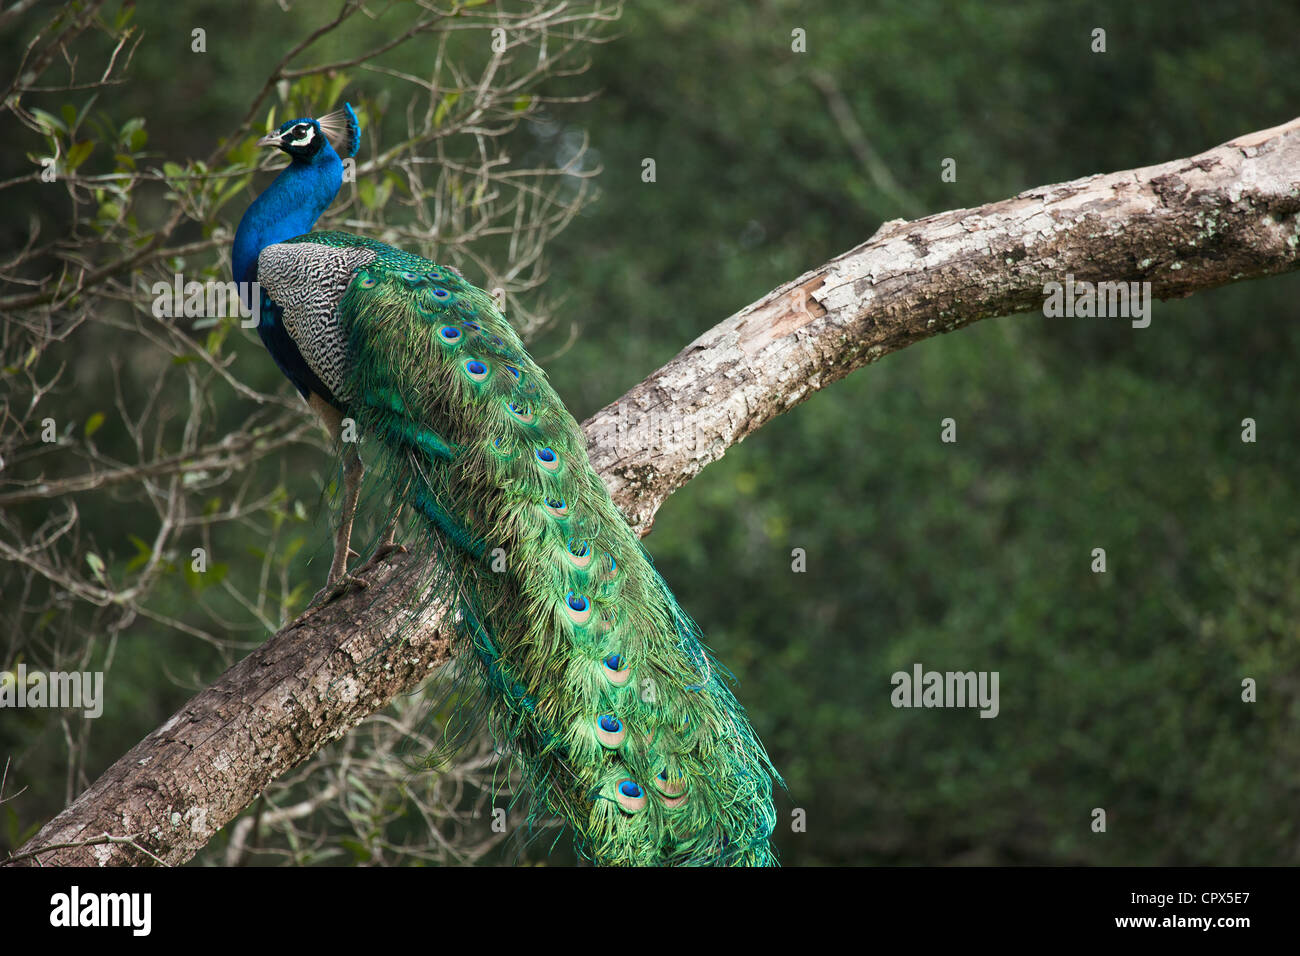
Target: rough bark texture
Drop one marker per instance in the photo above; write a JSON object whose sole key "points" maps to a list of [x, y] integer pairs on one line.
{"points": [[1228, 214], [1225, 215]]}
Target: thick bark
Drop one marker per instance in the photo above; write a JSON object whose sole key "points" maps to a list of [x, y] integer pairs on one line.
{"points": [[1228, 214]]}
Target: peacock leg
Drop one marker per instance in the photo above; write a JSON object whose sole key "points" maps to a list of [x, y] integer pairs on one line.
{"points": [[353, 471]]}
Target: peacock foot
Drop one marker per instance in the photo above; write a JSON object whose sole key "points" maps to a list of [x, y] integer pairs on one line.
{"points": [[383, 550], [340, 587], [354, 579]]}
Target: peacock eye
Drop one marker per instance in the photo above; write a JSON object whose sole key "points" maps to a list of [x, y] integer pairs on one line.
{"points": [[547, 458], [577, 607], [520, 412], [630, 796], [610, 732], [616, 670], [671, 785]]}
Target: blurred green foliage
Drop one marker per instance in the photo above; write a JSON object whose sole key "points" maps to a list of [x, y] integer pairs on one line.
{"points": [[1119, 691]]}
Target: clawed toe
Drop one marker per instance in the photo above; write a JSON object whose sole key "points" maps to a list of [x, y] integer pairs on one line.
{"points": [[340, 587], [384, 550]]}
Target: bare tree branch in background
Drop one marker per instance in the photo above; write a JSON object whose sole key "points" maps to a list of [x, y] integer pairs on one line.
{"points": [[175, 433]]}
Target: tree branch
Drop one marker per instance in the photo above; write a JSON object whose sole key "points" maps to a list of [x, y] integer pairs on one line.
{"points": [[1228, 214]]}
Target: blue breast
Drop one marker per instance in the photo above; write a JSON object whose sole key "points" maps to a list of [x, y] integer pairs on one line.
{"points": [[290, 207]]}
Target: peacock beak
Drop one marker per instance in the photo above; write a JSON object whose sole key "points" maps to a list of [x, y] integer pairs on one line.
{"points": [[271, 139]]}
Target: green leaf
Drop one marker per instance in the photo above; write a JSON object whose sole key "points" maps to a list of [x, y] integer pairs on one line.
{"points": [[522, 102], [337, 83], [96, 565], [93, 424], [49, 120], [133, 135], [232, 191], [217, 336], [142, 552], [79, 152], [172, 170], [298, 596], [358, 850], [289, 550], [444, 108], [366, 190]]}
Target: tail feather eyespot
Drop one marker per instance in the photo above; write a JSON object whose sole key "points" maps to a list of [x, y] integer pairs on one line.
{"points": [[671, 783], [610, 731], [577, 607], [520, 412], [548, 459], [579, 552], [617, 671], [630, 795]]}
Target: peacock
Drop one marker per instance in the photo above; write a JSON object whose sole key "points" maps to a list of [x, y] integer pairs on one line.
{"points": [[591, 673]]}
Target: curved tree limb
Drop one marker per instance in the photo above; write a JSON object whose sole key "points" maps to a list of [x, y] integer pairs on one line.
{"points": [[1228, 214]]}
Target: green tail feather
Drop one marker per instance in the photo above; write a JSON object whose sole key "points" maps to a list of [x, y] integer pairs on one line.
{"points": [[593, 675]]}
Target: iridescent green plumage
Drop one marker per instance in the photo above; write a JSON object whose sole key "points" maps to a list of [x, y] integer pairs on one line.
{"points": [[593, 675]]}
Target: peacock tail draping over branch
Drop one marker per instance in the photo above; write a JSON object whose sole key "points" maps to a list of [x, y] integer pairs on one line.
{"points": [[589, 670]]}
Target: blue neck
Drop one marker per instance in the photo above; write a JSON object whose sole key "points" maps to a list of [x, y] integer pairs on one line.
{"points": [[289, 207]]}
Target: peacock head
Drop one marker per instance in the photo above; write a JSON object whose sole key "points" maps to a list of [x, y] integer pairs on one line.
{"points": [[304, 138]]}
